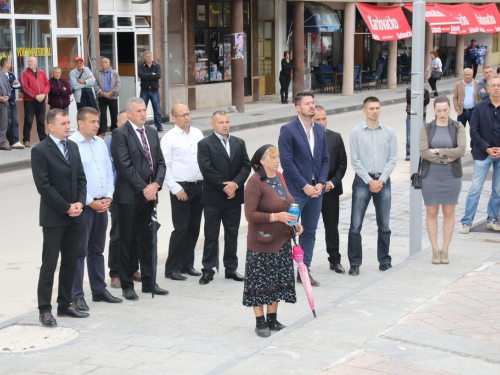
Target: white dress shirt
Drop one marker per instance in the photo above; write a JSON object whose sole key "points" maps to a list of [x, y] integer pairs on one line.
{"points": [[97, 166], [310, 138], [135, 127], [180, 150]]}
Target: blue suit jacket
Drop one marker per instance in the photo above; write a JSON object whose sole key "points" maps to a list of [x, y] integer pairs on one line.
{"points": [[481, 132], [299, 165]]}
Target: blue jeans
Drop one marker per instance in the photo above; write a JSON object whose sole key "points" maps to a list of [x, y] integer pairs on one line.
{"points": [[481, 169], [310, 208], [408, 133], [13, 123], [361, 196], [465, 117], [154, 96]]}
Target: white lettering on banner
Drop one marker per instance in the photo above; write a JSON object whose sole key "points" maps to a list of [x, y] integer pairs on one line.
{"points": [[404, 35], [485, 20], [434, 13], [436, 29], [463, 19], [384, 23], [455, 28], [474, 30]]}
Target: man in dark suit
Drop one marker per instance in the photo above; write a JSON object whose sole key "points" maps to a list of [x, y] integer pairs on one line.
{"points": [[5, 91], [225, 167], [333, 189], [60, 180], [305, 162], [140, 171]]}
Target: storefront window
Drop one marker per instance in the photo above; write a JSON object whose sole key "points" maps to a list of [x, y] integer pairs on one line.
{"points": [[67, 50], [322, 49], [67, 14], [5, 6], [33, 39], [175, 43], [31, 7], [106, 22], [5, 39], [107, 43]]}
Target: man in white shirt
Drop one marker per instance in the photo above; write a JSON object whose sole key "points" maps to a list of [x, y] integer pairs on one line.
{"points": [[185, 182]]}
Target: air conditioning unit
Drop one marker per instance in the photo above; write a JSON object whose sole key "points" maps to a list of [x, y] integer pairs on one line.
{"points": [[140, 1]]}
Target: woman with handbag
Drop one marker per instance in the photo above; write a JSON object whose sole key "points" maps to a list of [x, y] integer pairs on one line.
{"points": [[442, 144], [269, 274], [436, 68]]}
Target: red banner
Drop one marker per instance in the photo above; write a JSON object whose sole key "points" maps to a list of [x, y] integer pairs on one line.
{"points": [[438, 18], [385, 23], [474, 19]]}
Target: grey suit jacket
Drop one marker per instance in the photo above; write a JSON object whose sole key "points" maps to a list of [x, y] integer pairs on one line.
{"points": [[114, 87], [5, 88]]}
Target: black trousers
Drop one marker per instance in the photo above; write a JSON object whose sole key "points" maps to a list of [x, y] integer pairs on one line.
{"points": [[330, 211], [432, 83], [230, 216], [284, 83], [474, 67], [133, 221], [34, 109], [67, 241], [104, 103], [186, 218], [113, 252]]}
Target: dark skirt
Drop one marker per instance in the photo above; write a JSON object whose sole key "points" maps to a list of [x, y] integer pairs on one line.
{"points": [[269, 277]]}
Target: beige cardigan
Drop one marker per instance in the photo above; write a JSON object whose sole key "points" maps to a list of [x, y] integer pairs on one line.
{"points": [[459, 94]]}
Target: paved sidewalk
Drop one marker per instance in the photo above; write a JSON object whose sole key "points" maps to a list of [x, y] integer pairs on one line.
{"points": [[416, 318], [262, 113]]}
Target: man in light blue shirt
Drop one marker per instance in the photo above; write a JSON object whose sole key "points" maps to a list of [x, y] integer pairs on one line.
{"points": [[374, 152], [100, 189], [465, 96]]}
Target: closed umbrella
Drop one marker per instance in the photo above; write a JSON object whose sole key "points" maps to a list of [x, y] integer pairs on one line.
{"points": [[154, 226]]}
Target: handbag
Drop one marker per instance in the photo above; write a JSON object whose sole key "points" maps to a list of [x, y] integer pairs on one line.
{"points": [[436, 74], [416, 178]]}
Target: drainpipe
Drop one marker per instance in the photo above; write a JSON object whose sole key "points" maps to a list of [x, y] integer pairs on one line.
{"points": [[91, 41], [165, 61]]}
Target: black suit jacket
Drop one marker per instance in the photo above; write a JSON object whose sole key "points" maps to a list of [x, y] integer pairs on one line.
{"points": [[59, 184], [217, 166], [338, 160], [131, 164]]}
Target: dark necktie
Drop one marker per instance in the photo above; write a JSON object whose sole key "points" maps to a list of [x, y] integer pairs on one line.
{"points": [[66, 152], [148, 154]]}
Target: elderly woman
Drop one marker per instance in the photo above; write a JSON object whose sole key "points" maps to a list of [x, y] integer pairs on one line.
{"points": [[269, 275], [60, 91], [435, 65], [442, 144]]}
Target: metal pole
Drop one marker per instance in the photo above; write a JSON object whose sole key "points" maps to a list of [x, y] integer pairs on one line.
{"points": [[417, 108], [166, 103]]}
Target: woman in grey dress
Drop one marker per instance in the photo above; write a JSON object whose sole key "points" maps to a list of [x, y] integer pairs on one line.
{"points": [[442, 144]]}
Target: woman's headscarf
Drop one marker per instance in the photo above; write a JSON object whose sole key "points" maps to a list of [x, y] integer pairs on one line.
{"points": [[256, 158]]}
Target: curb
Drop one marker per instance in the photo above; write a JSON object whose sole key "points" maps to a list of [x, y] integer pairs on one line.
{"points": [[16, 165]]}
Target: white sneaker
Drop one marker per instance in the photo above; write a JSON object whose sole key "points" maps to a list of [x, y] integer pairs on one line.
{"points": [[494, 225], [465, 229], [17, 145]]}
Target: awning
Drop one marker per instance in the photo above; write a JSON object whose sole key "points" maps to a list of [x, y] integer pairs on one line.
{"points": [[438, 18], [385, 23], [474, 19], [320, 19]]}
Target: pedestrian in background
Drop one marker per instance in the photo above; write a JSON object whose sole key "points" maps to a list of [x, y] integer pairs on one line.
{"points": [[150, 75], [82, 81], [60, 91], [482, 86], [465, 97], [269, 266], [427, 99], [285, 76], [435, 65], [107, 88], [470, 54], [442, 144]]}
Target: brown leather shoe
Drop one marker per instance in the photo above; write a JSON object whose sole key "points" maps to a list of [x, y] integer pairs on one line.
{"points": [[115, 282], [313, 282], [137, 276], [27, 144]]}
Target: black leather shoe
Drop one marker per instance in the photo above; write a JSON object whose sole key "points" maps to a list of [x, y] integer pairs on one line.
{"points": [[130, 294], [262, 332], [47, 319], [80, 304], [106, 297], [72, 313], [191, 271], [159, 291], [176, 275], [206, 278], [385, 266], [354, 271], [235, 276], [275, 326], [337, 267]]}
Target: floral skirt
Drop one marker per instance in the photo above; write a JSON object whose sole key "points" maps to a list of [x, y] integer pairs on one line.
{"points": [[269, 277]]}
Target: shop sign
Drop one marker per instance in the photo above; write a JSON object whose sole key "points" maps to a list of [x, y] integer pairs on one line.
{"points": [[385, 23], [36, 52]]}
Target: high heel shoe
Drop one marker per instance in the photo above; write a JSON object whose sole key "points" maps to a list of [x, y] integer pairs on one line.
{"points": [[436, 257], [444, 257]]}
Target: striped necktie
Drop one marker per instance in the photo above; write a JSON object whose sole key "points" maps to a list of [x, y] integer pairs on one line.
{"points": [[148, 154], [66, 152]]}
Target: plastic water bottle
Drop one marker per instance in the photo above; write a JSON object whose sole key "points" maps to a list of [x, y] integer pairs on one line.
{"points": [[294, 210]]}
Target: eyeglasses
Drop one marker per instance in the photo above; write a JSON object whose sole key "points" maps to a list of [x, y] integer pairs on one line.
{"points": [[183, 115]]}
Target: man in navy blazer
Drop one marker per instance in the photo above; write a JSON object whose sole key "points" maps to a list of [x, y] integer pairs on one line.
{"points": [[304, 158], [485, 138]]}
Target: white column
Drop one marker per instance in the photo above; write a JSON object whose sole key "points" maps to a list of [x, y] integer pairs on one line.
{"points": [[349, 30], [392, 64]]}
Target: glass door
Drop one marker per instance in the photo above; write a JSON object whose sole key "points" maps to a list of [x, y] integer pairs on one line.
{"points": [[68, 47]]}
